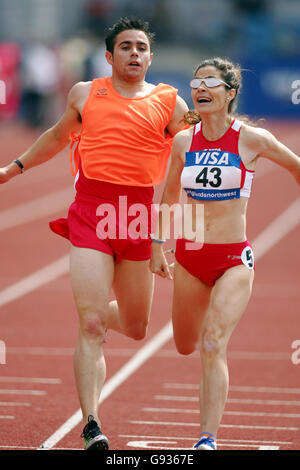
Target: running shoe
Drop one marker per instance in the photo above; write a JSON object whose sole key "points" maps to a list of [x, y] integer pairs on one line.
{"points": [[93, 437], [207, 442]]}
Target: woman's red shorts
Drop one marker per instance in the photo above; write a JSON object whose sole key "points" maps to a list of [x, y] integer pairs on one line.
{"points": [[208, 262]]}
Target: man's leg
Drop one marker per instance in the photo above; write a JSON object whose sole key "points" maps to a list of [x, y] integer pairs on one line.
{"points": [[91, 277]]}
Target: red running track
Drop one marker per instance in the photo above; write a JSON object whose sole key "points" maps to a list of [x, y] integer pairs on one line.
{"points": [[156, 405]]}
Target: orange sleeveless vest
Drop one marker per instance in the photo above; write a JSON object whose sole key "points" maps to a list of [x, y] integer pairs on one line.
{"points": [[123, 140]]}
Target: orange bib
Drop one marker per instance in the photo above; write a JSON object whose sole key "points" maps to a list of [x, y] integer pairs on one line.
{"points": [[124, 140]]}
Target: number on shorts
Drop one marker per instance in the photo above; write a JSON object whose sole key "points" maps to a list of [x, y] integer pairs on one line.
{"points": [[248, 257]]}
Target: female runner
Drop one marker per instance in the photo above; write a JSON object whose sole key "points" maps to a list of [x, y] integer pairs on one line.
{"points": [[214, 162]]}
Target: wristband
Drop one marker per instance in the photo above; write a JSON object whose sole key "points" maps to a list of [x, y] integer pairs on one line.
{"points": [[157, 240], [20, 165]]}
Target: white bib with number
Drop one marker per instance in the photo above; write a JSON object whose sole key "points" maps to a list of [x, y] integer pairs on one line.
{"points": [[215, 174]]}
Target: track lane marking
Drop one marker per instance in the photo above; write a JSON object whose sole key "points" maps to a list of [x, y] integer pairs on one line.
{"points": [[234, 388], [237, 426], [229, 413], [281, 226], [14, 403], [5, 391], [247, 401], [35, 280], [31, 380], [36, 209], [180, 438]]}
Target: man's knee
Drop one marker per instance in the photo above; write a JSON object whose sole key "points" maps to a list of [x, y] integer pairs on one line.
{"points": [[93, 325]]}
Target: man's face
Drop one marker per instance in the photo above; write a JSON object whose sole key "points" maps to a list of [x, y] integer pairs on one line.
{"points": [[131, 57]]}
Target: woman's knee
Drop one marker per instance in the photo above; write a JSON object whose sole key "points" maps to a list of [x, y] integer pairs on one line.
{"points": [[137, 330], [212, 343], [186, 349], [185, 346]]}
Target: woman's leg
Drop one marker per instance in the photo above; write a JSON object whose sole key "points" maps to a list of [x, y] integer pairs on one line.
{"points": [[190, 302], [229, 298]]}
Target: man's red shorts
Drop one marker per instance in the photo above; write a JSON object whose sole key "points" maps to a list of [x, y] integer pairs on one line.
{"points": [[113, 219], [208, 262]]}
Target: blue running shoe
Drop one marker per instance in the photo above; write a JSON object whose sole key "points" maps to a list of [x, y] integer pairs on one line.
{"points": [[207, 442], [93, 437]]}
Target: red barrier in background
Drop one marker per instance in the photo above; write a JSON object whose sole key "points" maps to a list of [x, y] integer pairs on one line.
{"points": [[10, 55]]}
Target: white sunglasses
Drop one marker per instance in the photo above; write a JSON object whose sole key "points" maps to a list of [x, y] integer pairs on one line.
{"points": [[210, 82]]}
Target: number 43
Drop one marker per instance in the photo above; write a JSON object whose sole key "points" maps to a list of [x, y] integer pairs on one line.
{"points": [[204, 179]]}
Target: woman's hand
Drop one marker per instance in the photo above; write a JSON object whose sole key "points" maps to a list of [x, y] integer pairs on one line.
{"points": [[158, 262]]}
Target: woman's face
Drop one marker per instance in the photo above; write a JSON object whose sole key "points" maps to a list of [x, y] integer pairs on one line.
{"points": [[211, 100]]}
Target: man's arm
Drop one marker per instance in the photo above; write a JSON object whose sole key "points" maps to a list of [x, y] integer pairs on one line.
{"points": [[177, 123], [51, 141]]}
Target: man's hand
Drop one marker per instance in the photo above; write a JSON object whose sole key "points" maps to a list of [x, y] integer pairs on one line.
{"points": [[4, 175]]}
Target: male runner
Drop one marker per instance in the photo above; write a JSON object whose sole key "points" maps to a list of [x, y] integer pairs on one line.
{"points": [[126, 127]]}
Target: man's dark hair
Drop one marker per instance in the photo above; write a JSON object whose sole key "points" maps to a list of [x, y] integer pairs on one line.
{"points": [[124, 24]]}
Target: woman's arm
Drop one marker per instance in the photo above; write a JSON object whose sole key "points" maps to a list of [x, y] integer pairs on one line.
{"points": [[267, 146], [171, 196]]}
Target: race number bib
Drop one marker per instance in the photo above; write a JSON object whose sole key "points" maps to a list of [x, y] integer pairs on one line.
{"points": [[247, 257]]}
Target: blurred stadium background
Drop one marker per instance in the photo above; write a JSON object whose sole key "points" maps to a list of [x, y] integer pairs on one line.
{"points": [[48, 45]]}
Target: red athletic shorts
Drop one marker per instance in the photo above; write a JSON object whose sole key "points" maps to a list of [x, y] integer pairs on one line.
{"points": [[210, 261], [114, 219]]}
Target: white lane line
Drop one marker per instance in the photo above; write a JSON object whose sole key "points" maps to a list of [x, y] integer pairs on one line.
{"points": [[34, 448], [128, 369], [268, 448], [248, 441], [239, 355], [234, 388], [36, 209], [161, 445], [31, 380], [236, 426], [5, 391], [258, 356], [228, 413], [14, 403], [35, 280], [40, 351], [247, 389], [250, 401], [280, 227], [6, 417], [247, 401]]}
